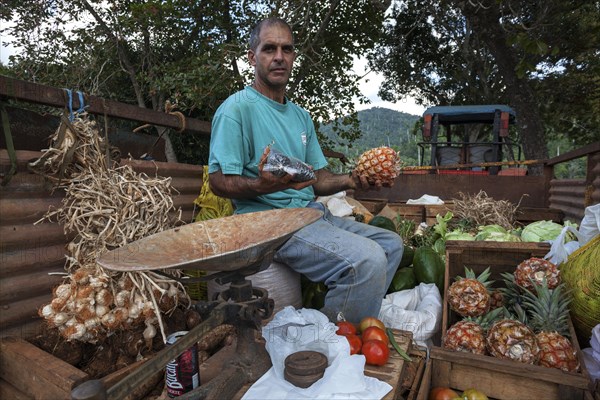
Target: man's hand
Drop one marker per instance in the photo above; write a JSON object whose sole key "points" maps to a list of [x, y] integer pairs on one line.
{"points": [[361, 182], [273, 183]]}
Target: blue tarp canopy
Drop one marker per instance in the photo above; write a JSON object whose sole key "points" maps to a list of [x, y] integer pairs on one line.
{"points": [[469, 114]]}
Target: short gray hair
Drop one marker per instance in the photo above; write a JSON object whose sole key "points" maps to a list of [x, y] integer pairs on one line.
{"points": [[255, 35]]}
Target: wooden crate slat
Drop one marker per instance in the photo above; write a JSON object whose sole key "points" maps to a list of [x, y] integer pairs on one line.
{"points": [[53, 378]]}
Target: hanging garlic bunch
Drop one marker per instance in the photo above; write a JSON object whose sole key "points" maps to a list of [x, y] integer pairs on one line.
{"points": [[91, 305]]}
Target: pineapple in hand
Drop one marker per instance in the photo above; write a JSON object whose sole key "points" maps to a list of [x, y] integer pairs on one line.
{"points": [[378, 165]]}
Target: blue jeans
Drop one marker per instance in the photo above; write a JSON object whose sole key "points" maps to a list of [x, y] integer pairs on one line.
{"points": [[356, 261]]}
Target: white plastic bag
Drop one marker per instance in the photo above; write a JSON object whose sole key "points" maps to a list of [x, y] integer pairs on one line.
{"points": [[337, 204], [591, 355], [588, 229], [294, 330], [418, 310]]}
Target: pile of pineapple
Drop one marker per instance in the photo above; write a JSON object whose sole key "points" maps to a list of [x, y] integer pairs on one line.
{"points": [[525, 321]]}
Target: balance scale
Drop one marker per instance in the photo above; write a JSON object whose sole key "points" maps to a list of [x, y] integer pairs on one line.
{"points": [[233, 248]]}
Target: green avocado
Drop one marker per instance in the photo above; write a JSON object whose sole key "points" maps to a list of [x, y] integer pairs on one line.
{"points": [[403, 279], [429, 267], [407, 257], [383, 222]]}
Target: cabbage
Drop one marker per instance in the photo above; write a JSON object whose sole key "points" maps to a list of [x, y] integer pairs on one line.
{"points": [[496, 233], [497, 236], [491, 228], [459, 235], [541, 231]]}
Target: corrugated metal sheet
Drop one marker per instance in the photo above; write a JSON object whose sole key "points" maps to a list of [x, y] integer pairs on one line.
{"points": [[572, 196], [30, 252]]}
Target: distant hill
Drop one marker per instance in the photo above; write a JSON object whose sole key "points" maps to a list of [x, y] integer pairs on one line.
{"points": [[379, 126]]}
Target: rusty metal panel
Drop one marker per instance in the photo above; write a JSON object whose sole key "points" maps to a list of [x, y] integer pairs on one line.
{"points": [[568, 196], [28, 252], [572, 196]]}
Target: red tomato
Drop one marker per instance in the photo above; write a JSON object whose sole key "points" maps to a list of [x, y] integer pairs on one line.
{"points": [[345, 328], [375, 333], [370, 321], [355, 343], [442, 393], [376, 352]]}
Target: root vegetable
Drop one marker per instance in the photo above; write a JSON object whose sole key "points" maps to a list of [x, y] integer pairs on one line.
{"points": [[213, 338]]}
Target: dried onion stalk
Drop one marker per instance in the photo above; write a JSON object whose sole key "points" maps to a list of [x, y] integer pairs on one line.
{"points": [[480, 209]]}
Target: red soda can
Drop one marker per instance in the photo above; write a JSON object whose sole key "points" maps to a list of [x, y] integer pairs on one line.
{"points": [[182, 374]]}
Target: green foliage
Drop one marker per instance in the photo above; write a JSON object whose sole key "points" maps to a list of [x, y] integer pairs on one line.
{"points": [[191, 53], [442, 54]]}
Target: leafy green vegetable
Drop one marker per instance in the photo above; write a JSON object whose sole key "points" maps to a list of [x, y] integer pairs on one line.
{"points": [[441, 227], [458, 234], [496, 233], [541, 231]]}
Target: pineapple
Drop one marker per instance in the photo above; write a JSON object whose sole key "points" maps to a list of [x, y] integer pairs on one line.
{"points": [[469, 296], [379, 164], [548, 312], [536, 269], [496, 299], [512, 339], [468, 335]]}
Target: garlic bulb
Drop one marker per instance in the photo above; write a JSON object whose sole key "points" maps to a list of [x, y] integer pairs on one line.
{"points": [[122, 298], [60, 318], [63, 291], [47, 311], [104, 297], [149, 334], [101, 310], [99, 281]]}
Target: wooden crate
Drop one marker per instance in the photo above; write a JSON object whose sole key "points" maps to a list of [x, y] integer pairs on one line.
{"points": [[427, 213], [420, 212], [28, 372], [499, 379], [35, 373], [478, 255]]}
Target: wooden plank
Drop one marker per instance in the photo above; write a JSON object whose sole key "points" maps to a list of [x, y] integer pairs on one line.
{"points": [[496, 378], [392, 371], [51, 96], [8, 391], [36, 372]]}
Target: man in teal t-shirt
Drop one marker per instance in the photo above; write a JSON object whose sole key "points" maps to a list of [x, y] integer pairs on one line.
{"points": [[356, 261]]}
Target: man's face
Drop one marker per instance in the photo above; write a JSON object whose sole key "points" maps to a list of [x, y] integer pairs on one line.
{"points": [[274, 56]]}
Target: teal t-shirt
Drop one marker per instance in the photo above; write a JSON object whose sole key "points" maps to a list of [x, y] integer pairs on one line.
{"points": [[244, 125]]}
